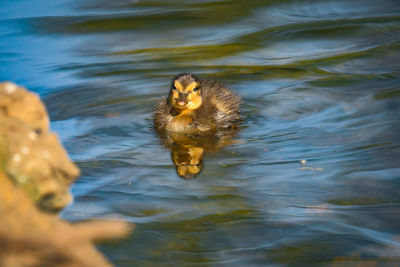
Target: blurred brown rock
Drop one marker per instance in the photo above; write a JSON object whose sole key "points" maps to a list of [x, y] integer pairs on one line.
{"points": [[17, 103], [31, 155], [29, 237], [35, 172]]}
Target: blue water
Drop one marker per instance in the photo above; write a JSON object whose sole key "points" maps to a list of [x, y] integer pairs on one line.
{"points": [[315, 173]]}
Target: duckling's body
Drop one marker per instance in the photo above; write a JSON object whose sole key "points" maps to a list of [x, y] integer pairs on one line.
{"points": [[197, 107]]}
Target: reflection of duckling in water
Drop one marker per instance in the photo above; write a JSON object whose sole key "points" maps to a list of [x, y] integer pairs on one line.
{"points": [[187, 151], [197, 116], [197, 107], [188, 160]]}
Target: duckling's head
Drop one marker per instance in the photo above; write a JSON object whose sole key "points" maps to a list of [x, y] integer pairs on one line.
{"points": [[185, 92]]}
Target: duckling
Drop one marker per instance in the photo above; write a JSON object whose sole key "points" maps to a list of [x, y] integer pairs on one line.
{"points": [[197, 107]]}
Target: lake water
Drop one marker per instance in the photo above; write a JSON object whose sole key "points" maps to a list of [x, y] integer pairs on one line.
{"points": [[314, 177]]}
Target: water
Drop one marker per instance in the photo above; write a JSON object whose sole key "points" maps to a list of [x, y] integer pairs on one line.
{"points": [[315, 176]]}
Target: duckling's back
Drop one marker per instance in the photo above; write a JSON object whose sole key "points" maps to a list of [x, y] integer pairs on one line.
{"points": [[220, 107]]}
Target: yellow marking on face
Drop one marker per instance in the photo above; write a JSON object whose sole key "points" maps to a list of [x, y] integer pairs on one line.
{"points": [[191, 86], [178, 85], [174, 95], [195, 101]]}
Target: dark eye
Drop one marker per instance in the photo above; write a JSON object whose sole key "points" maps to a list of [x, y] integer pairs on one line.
{"points": [[173, 89], [38, 131], [196, 89]]}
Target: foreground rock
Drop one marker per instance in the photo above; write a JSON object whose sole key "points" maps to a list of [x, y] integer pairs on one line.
{"points": [[29, 237], [31, 155], [35, 174]]}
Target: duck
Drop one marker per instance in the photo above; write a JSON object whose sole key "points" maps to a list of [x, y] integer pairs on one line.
{"points": [[197, 107]]}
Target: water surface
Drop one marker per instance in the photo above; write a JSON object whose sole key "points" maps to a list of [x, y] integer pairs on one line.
{"points": [[315, 178]]}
